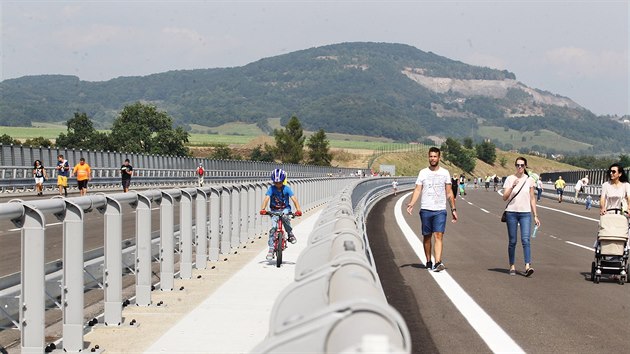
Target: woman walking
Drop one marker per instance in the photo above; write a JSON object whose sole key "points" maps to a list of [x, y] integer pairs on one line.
{"points": [[615, 190], [519, 190], [39, 173]]}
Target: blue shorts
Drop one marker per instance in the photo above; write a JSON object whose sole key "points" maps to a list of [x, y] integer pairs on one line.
{"points": [[559, 191], [432, 221]]}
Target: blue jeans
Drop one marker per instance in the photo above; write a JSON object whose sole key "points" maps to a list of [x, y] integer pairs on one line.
{"points": [[286, 224], [539, 190], [513, 220]]}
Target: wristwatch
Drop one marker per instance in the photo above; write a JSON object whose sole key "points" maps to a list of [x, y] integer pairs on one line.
{"points": [[453, 209]]}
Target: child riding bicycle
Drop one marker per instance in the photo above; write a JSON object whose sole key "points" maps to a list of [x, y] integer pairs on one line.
{"points": [[278, 196]]}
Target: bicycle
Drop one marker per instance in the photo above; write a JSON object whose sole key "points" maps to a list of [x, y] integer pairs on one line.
{"points": [[278, 247]]}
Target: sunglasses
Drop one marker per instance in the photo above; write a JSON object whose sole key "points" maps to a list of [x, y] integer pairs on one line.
{"points": [[519, 164], [613, 171]]}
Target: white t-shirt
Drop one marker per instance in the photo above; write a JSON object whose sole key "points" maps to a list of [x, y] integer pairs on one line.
{"points": [[433, 188], [520, 203]]}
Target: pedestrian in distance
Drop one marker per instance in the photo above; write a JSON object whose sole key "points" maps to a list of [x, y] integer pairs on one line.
{"points": [[279, 197], [559, 185], [83, 172], [63, 171], [454, 186], [539, 189], [39, 173], [200, 174], [126, 171], [395, 186], [588, 202], [579, 187], [519, 190], [462, 185], [433, 187]]}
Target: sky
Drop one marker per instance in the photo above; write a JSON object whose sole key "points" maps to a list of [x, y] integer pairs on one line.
{"points": [[577, 49]]}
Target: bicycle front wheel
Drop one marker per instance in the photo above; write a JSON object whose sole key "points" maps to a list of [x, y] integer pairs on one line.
{"points": [[279, 241]]}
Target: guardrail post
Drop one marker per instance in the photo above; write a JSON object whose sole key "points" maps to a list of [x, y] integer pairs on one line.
{"points": [[201, 220], [72, 283], [185, 235], [236, 217], [32, 296], [215, 232], [226, 223], [143, 251], [167, 231], [258, 201], [112, 273], [244, 215], [252, 209]]}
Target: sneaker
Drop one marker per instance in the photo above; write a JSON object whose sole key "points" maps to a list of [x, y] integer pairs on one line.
{"points": [[270, 254], [439, 266], [529, 271], [292, 238], [512, 271], [429, 265]]}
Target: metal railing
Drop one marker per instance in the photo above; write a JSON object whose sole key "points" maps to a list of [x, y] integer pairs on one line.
{"points": [[228, 213], [336, 303]]}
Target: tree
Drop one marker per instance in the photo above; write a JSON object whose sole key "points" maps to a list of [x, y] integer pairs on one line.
{"points": [[142, 128], [262, 153], [39, 141], [461, 157], [319, 149], [8, 140], [290, 142], [221, 152], [486, 152], [82, 135]]}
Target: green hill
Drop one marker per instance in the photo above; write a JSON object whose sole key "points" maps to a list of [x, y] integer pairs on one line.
{"points": [[375, 89]]}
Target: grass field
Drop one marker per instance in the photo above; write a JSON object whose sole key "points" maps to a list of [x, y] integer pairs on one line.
{"points": [[546, 138]]}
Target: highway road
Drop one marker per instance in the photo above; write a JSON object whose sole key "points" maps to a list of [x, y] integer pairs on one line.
{"points": [[557, 310]]}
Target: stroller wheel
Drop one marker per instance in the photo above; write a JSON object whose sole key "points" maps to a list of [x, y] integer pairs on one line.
{"points": [[593, 271], [623, 279], [596, 279]]}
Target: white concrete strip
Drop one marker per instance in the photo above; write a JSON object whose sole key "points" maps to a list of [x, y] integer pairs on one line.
{"points": [[492, 334], [582, 246], [246, 300]]}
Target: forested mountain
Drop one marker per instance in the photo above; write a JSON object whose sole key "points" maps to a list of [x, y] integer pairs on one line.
{"points": [[376, 89]]}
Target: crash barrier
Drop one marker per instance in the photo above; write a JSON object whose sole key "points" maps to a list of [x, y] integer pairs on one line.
{"points": [[224, 217], [16, 163], [336, 303]]}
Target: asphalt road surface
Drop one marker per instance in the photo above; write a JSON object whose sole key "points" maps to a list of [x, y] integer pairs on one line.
{"points": [[475, 306]]}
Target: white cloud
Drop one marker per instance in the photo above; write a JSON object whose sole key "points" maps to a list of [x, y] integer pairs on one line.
{"points": [[580, 62]]}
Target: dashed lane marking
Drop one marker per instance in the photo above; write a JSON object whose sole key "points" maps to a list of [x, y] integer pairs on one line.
{"points": [[582, 246]]}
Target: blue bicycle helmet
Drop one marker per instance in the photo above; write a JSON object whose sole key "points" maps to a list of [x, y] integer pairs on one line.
{"points": [[278, 175]]}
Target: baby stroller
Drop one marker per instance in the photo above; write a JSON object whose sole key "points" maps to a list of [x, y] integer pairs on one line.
{"points": [[611, 248]]}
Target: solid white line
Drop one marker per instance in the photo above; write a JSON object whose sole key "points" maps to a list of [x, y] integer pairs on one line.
{"points": [[491, 333], [577, 244]]}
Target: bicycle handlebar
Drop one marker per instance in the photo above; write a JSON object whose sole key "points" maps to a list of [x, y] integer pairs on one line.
{"points": [[278, 213]]}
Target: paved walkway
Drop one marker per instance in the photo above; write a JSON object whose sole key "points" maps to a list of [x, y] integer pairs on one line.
{"points": [[226, 310]]}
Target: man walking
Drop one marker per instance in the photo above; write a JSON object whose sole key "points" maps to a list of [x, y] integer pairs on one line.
{"points": [[84, 174], [433, 186], [559, 185], [63, 171], [126, 171]]}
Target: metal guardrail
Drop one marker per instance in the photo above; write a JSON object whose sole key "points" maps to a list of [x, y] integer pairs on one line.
{"points": [[229, 213], [336, 303]]}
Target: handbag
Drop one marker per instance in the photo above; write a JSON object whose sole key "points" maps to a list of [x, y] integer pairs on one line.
{"points": [[504, 215]]}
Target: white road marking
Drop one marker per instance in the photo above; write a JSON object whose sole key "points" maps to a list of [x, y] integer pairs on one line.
{"points": [[491, 333], [469, 202], [484, 210], [582, 246]]}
